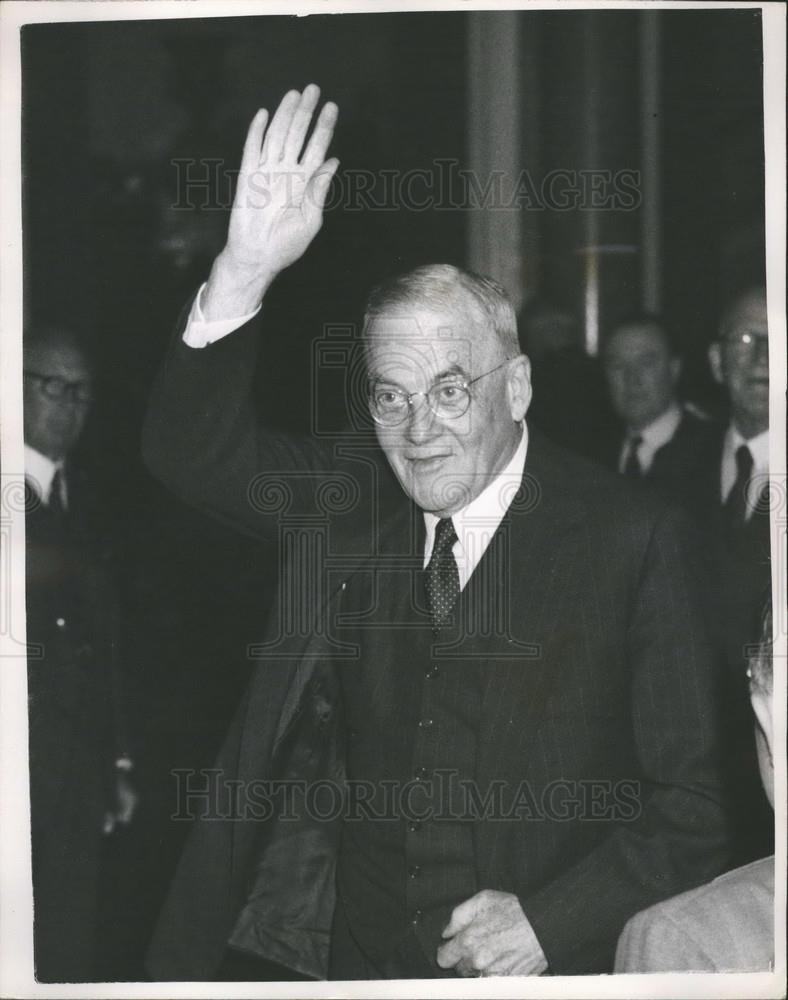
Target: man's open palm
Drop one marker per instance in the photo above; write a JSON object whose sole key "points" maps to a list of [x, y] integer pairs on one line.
{"points": [[282, 184]]}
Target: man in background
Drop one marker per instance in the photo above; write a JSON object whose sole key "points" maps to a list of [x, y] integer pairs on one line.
{"points": [[727, 925], [79, 781], [569, 401], [661, 440], [733, 498]]}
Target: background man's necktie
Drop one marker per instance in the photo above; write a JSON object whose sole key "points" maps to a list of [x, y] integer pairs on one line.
{"points": [[56, 505], [632, 466], [736, 503], [443, 578]]}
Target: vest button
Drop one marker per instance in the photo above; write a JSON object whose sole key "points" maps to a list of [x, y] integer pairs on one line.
{"points": [[431, 672], [414, 826], [421, 774], [415, 917], [425, 723], [414, 871]]}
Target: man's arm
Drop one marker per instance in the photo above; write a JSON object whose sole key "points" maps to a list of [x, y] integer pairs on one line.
{"points": [[680, 838], [201, 436]]}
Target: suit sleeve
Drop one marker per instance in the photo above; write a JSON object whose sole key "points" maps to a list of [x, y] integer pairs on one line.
{"points": [[202, 438], [653, 942], [679, 836]]}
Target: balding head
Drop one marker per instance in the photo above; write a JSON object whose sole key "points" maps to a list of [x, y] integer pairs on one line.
{"points": [[448, 387]]}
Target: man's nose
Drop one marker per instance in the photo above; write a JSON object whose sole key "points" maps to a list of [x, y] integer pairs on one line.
{"points": [[420, 419]]}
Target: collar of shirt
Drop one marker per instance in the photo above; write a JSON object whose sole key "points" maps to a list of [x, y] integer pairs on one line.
{"points": [[759, 449], [41, 470], [654, 436], [477, 523]]}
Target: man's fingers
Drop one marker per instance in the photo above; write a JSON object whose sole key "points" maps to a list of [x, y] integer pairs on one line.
{"points": [[273, 144], [461, 916], [450, 953], [300, 122], [254, 142], [318, 187], [315, 151]]}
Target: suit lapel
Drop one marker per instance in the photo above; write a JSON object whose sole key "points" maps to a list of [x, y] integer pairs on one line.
{"points": [[536, 555]]}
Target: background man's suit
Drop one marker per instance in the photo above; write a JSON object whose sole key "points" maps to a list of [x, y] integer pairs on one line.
{"points": [[674, 471], [738, 556], [76, 730], [602, 587]]}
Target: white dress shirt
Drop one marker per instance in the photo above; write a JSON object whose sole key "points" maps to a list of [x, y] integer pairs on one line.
{"points": [[40, 471], [476, 524], [759, 449], [653, 437], [200, 332]]}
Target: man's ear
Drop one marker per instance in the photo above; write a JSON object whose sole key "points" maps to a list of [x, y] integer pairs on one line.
{"points": [[518, 387], [715, 361]]}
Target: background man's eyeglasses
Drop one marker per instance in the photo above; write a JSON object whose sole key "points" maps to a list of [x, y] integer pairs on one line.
{"points": [[448, 400], [54, 387], [748, 342]]}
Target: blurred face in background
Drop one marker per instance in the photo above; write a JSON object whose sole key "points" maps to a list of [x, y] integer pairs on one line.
{"points": [[443, 463], [641, 372], [57, 391], [740, 361]]}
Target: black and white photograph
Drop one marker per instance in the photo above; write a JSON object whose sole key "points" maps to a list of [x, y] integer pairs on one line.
{"points": [[394, 499]]}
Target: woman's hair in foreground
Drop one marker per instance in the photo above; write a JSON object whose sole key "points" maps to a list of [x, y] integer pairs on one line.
{"points": [[447, 289]]}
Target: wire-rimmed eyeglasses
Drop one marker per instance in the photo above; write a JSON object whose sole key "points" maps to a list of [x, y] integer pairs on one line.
{"points": [[55, 387], [749, 341], [447, 399]]}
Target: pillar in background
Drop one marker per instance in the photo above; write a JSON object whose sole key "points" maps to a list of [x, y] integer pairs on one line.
{"points": [[589, 64], [494, 154]]}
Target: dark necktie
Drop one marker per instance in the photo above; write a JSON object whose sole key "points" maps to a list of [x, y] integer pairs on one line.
{"points": [[632, 466], [443, 578], [736, 503], [56, 505]]}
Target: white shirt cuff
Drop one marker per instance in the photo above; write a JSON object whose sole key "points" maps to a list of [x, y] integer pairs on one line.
{"points": [[200, 332]]}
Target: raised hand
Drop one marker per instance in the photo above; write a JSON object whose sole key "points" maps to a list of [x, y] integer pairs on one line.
{"points": [[279, 200]]}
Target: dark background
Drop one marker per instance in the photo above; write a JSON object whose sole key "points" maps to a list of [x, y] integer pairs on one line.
{"points": [[109, 107]]}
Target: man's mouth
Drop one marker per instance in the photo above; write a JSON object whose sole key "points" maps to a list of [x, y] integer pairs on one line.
{"points": [[427, 463]]}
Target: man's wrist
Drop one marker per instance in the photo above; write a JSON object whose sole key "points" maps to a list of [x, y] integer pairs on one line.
{"points": [[234, 288]]}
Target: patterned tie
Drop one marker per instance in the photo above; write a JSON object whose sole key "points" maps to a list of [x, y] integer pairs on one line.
{"points": [[632, 466], [736, 503], [443, 578]]}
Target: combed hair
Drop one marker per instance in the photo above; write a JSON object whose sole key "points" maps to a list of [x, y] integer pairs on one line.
{"points": [[652, 320], [448, 289], [39, 337]]}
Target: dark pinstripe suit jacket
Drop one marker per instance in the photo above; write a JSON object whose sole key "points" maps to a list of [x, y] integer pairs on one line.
{"points": [[600, 581]]}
